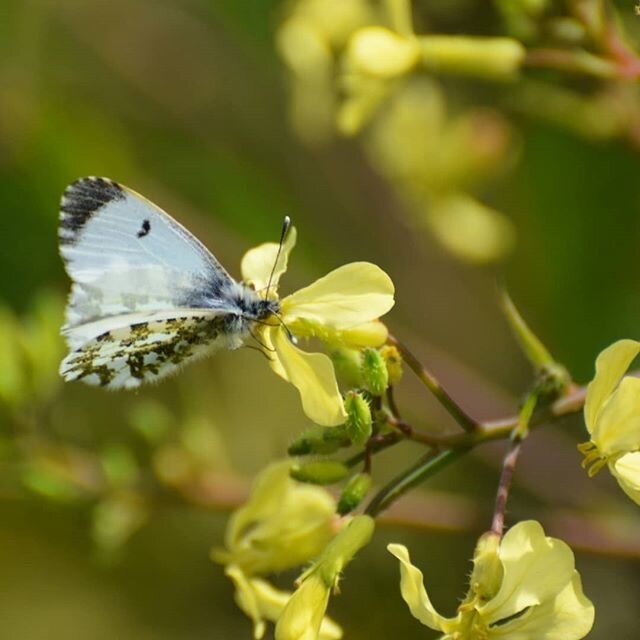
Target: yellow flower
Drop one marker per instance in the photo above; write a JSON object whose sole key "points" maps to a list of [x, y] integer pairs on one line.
{"points": [[303, 614], [339, 308], [524, 587], [263, 603], [308, 41], [612, 417], [284, 523]]}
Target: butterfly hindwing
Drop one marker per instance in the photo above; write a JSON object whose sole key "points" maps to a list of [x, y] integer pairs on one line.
{"points": [[125, 255], [137, 348]]}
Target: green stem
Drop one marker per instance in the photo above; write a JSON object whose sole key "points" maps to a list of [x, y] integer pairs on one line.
{"points": [[431, 382], [426, 467]]}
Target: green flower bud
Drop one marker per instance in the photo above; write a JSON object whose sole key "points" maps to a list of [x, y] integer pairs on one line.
{"points": [[353, 494], [374, 371], [358, 424], [348, 365], [321, 472], [393, 360], [319, 440]]}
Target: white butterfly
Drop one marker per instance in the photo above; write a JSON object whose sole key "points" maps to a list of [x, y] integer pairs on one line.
{"points": [[147, 296]]}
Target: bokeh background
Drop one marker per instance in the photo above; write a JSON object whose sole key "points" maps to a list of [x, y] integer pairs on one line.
{"points": [[186, 101]]}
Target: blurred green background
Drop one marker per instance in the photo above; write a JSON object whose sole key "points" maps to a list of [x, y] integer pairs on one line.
{"points": [[185, 102]]}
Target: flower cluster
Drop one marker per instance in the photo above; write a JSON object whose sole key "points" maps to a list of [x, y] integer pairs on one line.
{"points": [[283, 524]]}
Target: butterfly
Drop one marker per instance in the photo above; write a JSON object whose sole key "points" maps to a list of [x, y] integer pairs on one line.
{"points": [[147, 296]]}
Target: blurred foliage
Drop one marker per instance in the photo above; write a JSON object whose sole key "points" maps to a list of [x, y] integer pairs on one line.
{"points": [[186, 102]]}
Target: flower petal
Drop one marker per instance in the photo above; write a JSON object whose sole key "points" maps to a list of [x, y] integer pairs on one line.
{"points": [[267, 494], [246, 598], [262, 602], [611, 365], [536, 569], [414, 593], [569, 616], [258, 263], [314, 377], [617, 427], [626, 470], [347, 296], [303, 614]]}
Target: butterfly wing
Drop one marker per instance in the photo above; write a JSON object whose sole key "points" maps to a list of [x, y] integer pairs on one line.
{"points": [[126, 255], [127, 350]]}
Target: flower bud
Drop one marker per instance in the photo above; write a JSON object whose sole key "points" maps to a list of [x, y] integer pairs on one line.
{"points": [[487, 573], [374, 371], [348, 365], [321, 472], [496, 58], [381, 53], [304, 612], [353, 494], [319, 440], [393, 360], [359, 423]]}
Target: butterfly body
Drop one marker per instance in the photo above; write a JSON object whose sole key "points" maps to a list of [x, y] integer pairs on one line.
{"points": [[147, 296]]}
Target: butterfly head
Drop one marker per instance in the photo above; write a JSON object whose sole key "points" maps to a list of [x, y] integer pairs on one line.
{"points": [[256, 308]]}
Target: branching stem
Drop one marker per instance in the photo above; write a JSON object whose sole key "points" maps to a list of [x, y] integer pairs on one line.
{"points": [[431, 382]]}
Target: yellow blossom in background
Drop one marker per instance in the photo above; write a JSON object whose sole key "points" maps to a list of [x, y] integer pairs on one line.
{"points": [[523, 587], [469, 229], [283, 524], [308, 42], [357, 65], [612, 417], [375, 60], [339, 308], [432, 160], [380, 52]]}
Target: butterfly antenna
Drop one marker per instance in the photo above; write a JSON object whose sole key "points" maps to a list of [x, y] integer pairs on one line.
{"points": [[286, 223], [284, 326]]}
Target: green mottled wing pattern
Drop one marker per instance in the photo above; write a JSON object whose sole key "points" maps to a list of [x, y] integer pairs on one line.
{"points": [[147, 347]]}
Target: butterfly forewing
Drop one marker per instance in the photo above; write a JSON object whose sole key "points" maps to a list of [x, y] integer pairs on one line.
{"points": [[126, 255]]}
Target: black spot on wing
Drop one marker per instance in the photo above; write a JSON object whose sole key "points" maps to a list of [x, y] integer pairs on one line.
{"points": [[81, 200], [144, 229]]}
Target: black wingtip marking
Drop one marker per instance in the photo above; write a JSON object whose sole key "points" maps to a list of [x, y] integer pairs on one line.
{"points": [[81, 199]]}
